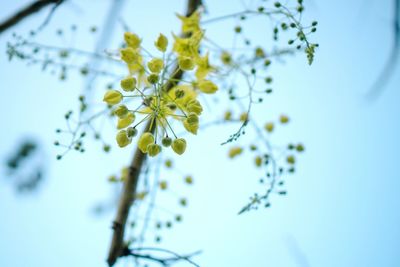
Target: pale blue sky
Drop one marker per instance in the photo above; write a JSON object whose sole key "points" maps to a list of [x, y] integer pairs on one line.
{"points": [[342, 207]]}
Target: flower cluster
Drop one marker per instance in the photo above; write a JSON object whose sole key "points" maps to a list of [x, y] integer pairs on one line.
{"points": [[156, 86]]}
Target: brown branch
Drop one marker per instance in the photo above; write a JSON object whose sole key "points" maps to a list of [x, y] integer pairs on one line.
{"points": [[129, 188], [138, 254], [26, 12]]}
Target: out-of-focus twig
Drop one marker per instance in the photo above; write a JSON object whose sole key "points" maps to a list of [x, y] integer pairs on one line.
{"points": [[27, 11], [380, 83]]}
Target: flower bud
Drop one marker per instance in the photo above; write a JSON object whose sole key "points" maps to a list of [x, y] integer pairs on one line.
{"points": [[291, 159], [207, 87], [194, 106], [155, 65], [191, 123], [166, 141], [234, 151], [132, 40], [284, 119], [145, 140], [112, 97], [123, 139], [152, 78], [129, 55], [126, 121], [121, 111], [132, 132], [161, 43], [179, 146], [128, 84], [269, 126], [163, 185], [258, 161], [153, 150], [185, 63]]}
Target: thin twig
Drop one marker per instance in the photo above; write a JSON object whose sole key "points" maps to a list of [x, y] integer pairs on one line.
{"points": [[26, 12]]}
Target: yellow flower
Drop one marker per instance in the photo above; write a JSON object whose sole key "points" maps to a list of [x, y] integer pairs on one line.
{"points": [[244, 116], [179, 146], [112, 97], [203, 67], [166, 141], [188, 46], [145, 140], [161, 43], [269, 126], [141, 195], [194, 106], [153, 150], [191, 123], [128, 84], [129, 55], [185, 63], [259, 52], [190, 24], [284, 119], [126, 121], [235, 151], [228, 115], [189, 179], [163, 185], [291, 159], [153, 78], [188, 95], [132, 40], [207, 87], [258, 161], [121, 111], [155, 65], [226, 58], [123, 139]]}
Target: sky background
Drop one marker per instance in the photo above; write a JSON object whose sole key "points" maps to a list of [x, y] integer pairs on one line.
{"points": [[342, 207]]}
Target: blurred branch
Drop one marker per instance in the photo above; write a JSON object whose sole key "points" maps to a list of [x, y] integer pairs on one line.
{"points": [[136, 253], [386, 73], [27, 11]]}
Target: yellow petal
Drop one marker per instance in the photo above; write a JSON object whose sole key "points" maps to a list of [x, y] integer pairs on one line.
{"points": [[161, 43], [112, 97], [126, 121], [179, 146], [145, 140], [123, 139]]}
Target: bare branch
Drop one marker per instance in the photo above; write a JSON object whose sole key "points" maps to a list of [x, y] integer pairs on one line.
{"points": [[138, 253], [381, 82], [27, 11]]}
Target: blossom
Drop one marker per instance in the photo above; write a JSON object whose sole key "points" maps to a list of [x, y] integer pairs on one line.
{"points": [[207, 87], [126, 121], [190, 24], [155, 65], [161, 43], [179, 146], [112, 97], [145, 139], [132, 40], [123, 139]]}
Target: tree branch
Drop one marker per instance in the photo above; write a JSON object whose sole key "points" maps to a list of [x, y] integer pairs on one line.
{"points": [[137, 253], [26, 12], [129, 188]]}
